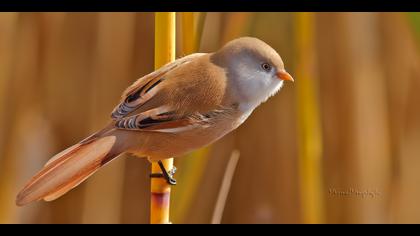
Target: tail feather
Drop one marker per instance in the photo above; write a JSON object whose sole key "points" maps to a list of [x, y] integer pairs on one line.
{"points": [[63, 154], [68, 169]]}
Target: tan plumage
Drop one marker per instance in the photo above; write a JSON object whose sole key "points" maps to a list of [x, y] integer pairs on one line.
{"points": [[184, 105]]}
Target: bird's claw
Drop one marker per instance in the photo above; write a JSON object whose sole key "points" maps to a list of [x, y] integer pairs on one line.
{"points": [[167, 175]]}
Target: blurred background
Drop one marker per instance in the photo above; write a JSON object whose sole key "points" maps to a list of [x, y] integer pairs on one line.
{"points": [[340, 145]]}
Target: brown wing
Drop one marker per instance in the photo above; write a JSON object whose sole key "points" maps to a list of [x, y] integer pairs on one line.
{"points": [[140, 91], [177, 96]]}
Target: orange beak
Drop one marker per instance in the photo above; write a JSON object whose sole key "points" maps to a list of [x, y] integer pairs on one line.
{"points": [[283, 75]]}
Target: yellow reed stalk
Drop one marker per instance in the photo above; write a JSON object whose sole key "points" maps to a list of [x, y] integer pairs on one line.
{"points": [[10, 164], [199, 28], [189, 33], [164, 53], [309, 126], [236, 24]]}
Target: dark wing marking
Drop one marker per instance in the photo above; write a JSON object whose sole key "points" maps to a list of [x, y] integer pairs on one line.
{"points": [[134, 99], [144, 88], [140, 121], [170, 122]]}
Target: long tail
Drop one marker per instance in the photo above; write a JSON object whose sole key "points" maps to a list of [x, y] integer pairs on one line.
{"points": [[69, 168]]}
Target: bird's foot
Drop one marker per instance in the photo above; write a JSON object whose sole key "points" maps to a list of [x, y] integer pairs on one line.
{"points": [[167, 175]]}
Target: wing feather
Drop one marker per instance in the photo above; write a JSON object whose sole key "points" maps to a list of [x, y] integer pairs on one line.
{"points": [[174, 98], [146, 87]]}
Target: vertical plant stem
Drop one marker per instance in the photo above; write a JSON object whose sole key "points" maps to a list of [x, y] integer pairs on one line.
{"points": [[309, 126], [164, 53], [224, 188], [189, 33], [9, 22], [199, 28]]}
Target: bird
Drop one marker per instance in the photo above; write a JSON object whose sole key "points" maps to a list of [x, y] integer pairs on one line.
{"points": [[182, 106]]}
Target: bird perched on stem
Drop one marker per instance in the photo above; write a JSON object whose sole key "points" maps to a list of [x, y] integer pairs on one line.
{"points": [[184, 105]]}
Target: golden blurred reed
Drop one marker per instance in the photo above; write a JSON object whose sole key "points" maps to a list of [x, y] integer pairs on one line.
{"points": [[349, 125]]}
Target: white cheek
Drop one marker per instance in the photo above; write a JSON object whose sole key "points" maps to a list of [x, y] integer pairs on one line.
{"points": [[254, 88], [276, 87], [267, 87], [258, 90]]}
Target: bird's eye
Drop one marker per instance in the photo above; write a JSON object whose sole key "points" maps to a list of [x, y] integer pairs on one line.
{"points": [[266, 66]]}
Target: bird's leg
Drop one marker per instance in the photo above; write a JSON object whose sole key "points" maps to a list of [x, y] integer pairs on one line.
{"points": [[167, 175]]}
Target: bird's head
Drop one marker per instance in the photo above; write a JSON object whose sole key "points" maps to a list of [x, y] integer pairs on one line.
{"points": [[254, 69]]}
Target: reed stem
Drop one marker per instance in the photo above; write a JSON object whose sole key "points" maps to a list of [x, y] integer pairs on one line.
{"points": [[164, 53], [309, 124]]}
